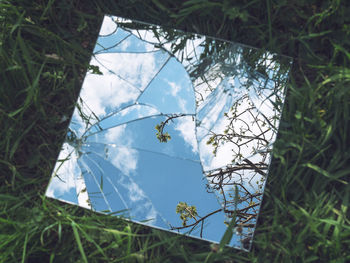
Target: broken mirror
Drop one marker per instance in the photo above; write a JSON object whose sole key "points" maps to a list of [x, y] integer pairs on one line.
{"points": [[173, 130]]}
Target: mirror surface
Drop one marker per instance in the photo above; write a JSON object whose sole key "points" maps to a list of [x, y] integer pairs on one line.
{"points": [[173, 130]]}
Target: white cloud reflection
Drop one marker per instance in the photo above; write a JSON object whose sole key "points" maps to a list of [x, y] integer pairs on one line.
{"points": [[123, 157], [137, 69], [186, 126], [68, 177], [108, 26]]}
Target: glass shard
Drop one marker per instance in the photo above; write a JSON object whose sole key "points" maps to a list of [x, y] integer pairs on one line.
{"points": [[171, 91], [173, 130]]}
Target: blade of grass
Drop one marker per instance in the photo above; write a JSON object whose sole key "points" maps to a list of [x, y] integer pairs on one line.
{"points": [[24, 248], [99, 249], [325, 173], [229, 231], [128, 230], [226, 238], [77, 238], [269, 22]]}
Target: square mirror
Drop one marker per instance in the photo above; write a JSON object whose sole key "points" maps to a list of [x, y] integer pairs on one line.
{"points": [[173, 130]]}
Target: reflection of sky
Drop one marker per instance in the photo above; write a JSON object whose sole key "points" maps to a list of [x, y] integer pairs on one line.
{"points": [[118, 158], [65, 186]]}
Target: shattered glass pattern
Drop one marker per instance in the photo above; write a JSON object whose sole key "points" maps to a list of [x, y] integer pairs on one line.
{"points": [[173, 130]]}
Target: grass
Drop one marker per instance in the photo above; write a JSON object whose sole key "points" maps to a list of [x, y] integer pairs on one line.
{"points": [[44, 51]]}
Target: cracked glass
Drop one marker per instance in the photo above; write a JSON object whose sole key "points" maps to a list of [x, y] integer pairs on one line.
{"points": [[173, 130]]}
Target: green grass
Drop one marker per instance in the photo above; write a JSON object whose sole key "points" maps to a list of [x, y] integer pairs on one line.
{"points": [[44, 51]]}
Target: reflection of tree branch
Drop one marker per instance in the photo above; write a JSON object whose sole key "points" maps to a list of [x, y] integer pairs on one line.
{"points": [[249, 166], [247, 225], [238, 213], [164, 137], [198, 221], [243, 217], [251, 197], [257, 169], [243, 209], [246, 215], [248, 219]]}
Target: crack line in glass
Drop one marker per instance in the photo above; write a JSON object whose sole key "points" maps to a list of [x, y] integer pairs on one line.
{"points": [[111, 47], [145, 150]]}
